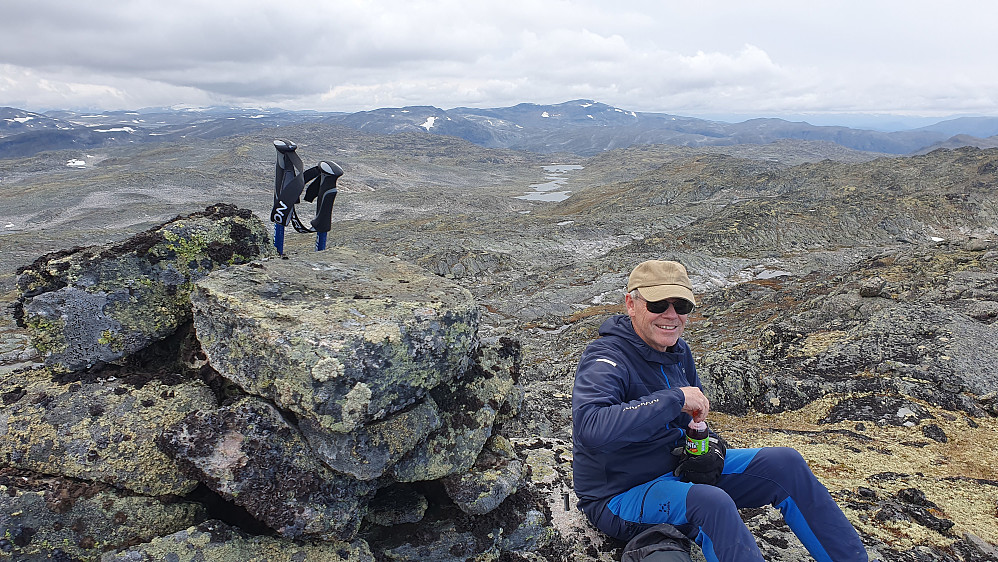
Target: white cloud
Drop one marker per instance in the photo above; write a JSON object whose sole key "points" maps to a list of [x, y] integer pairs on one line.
{"points": [[714, 56]]}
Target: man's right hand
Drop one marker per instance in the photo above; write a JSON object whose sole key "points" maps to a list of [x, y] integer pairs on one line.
{"points": [[696, 403]]}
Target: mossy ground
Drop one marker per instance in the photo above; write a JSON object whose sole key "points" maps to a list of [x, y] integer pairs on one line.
{"points": [[960, 475]]}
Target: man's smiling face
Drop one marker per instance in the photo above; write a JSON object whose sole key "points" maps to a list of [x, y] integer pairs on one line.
{"points": [[660, 331]]}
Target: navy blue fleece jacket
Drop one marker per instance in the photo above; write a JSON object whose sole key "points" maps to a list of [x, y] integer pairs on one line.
{"points": [[626, 412]]}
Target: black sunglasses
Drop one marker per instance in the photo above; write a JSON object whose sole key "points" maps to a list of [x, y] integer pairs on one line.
{"points": [[682, 306]]}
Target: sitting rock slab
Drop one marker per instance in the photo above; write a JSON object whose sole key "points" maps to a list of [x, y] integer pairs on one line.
{"points": [[248, 453], [102, 431], [342, 337], [48, 518], [101, 303], [216, 541]]}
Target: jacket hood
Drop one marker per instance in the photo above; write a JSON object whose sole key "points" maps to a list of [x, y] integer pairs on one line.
{"points": [[620, 326]]}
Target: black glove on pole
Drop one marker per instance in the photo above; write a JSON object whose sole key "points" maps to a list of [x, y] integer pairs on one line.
{"points": [[702, 469]]}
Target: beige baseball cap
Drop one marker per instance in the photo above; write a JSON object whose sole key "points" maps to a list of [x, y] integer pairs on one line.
{"points": [[658, 280]]}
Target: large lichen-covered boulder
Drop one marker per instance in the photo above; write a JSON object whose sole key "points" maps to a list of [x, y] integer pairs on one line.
{"points": [[218, 542], [101, 303], [49, 518], [102, 430], [248, 453], [341, 337]]}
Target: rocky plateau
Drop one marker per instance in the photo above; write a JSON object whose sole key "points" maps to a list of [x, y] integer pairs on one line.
{"points": [[174, 390]]}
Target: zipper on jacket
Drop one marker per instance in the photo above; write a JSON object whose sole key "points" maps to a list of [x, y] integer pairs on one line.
{"points": [[664, 376]]}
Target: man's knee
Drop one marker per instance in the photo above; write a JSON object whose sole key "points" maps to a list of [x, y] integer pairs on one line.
{"points": [[782, 463], [787, 456], [711, 498]]}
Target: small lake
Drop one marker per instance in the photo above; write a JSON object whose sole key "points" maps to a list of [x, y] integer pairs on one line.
{"points": [[551, 190]]}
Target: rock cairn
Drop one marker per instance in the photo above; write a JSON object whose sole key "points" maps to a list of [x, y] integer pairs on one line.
{"points": [[202, 398]]}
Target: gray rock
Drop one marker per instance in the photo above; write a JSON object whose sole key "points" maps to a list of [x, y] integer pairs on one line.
{"points": [[982, 547], [343, 338], [16, 350], [550, 476], [46, 516], [883, 410], [450, 537], [248, 453], [731, 382], [872, 287], [985, 311], [495, 476], [368, 451], [468, 409], [449, 544], [980, 244], [103, 431], [218, 542], [530, 535], [102, 303]]}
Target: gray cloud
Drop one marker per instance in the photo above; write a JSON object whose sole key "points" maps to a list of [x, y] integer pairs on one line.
{"points": [[724, 56]]}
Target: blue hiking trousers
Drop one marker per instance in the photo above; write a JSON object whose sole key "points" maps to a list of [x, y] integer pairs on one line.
{"points": [[776, 476]]}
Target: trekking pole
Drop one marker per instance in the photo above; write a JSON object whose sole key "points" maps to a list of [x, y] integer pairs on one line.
{"points": [[288, 185], [329, 172]]}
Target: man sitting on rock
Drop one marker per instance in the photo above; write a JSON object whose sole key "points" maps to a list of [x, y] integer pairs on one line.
{"points": [[636, 391]]}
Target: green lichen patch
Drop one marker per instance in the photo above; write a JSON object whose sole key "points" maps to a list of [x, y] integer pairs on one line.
{"points": [[101, 303]]}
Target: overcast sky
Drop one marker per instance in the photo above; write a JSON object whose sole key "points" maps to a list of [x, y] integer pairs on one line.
{"points": [[700, 57]]}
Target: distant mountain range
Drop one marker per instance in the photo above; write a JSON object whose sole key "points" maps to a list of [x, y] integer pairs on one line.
{"points": [[582, 127]]}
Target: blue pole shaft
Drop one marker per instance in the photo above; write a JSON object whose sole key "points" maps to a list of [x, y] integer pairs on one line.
{"points": [[279, 238], [320, 241]]}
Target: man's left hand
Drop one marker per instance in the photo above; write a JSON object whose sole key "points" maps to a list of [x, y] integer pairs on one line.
{"points": [[705, 468]]}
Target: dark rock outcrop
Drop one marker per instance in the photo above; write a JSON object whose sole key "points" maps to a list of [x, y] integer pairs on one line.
{"points": [[919, 336]]}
